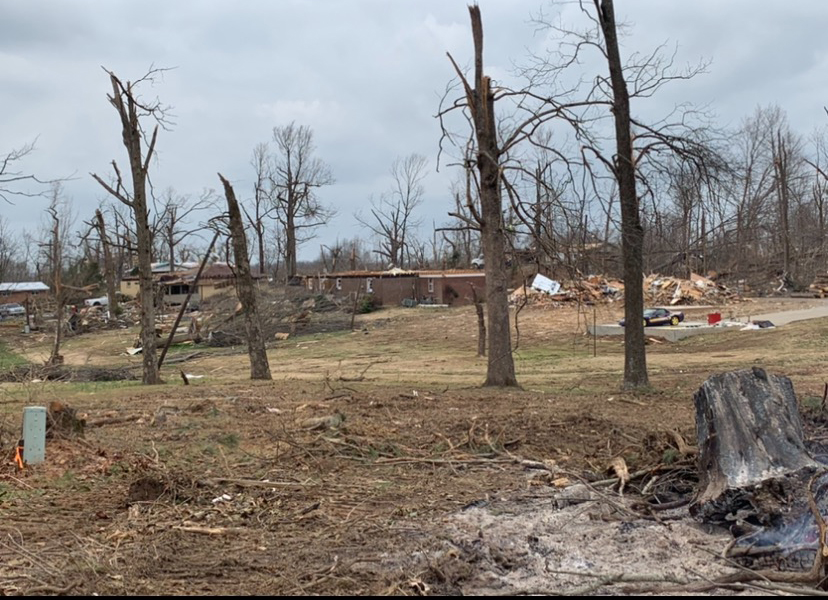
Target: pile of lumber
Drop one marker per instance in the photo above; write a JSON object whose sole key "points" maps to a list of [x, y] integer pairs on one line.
{"points": [[820, 286]]}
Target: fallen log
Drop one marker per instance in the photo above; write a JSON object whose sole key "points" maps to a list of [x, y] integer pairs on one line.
{"points": [[756, 475]]}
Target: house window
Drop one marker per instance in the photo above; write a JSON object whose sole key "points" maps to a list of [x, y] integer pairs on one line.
{"points": [[431, 286], [177, 290], [339, 283], [369, 285]]}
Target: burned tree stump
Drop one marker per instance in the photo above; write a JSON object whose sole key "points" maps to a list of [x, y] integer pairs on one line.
{"points": [[756, 475]]}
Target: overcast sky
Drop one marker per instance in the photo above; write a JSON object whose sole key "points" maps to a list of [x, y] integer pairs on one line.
{"points": [[365, 75]]}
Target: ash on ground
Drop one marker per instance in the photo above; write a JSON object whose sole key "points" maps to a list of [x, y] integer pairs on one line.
{"points": [[564, 542]]}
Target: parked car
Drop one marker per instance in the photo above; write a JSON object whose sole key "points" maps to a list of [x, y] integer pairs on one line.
{"points": [[480, 262], [659, 316], [12, 310], [102, 301]]}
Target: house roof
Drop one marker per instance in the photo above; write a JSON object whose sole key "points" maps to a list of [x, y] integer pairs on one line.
{"points": [[219, 271], [453, 273], [392, 273], [402, 273], [24, 286]]}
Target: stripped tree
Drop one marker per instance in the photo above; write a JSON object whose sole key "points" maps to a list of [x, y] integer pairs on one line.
{"points": [[133, 111], [479, 99], [109, 264], [56, 245]]}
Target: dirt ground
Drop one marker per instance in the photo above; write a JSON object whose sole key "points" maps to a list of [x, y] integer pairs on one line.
{"points": [[374, 464]]}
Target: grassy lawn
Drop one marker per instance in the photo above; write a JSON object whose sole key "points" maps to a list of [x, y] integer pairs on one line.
{"points": [[9, 358]]}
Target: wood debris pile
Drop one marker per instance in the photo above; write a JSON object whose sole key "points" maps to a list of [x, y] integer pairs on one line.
{"points": [[659, 290], [590, 289], [287, 313], [820, 286]]}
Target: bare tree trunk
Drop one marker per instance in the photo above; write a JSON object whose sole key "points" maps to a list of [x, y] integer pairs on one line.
{"points": [[632, 232], [56, 247], [481, 322], [109, 266], [261, 242], [129, 110], [245, 288], [171, 248], [501, 365], [781, 168], [290, 248], [147, 298]]}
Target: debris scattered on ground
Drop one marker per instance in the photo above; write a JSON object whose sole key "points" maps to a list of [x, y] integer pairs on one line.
{"points": [[282, 313], [658, 290], [758, 325], [35, 373]]}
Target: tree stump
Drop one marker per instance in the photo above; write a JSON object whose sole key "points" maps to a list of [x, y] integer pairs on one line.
{"points": [[755, 473]]}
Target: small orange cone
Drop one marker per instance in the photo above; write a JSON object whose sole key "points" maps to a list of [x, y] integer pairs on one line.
{"points": [[18, 457]]}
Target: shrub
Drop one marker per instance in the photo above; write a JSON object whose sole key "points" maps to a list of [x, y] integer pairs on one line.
{"points": [[368, 304]]}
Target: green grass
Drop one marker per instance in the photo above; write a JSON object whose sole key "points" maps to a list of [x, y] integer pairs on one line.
{"points": [[8, 358], [550, 354]]}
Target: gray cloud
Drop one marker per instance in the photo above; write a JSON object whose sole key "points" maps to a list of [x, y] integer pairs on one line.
{"points": [[366, 75]]}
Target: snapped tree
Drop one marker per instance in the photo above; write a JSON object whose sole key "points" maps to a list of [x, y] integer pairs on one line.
{"points": [[109, 264], [246, 288]]}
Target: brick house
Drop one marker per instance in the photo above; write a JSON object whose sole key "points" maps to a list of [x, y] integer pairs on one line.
{"points": [[22, 291], [396, 287]]}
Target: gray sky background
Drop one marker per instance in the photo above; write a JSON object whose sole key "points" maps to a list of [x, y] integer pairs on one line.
{"points": [[366, 75]]}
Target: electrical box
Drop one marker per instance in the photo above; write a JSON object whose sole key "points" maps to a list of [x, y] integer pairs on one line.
{"points": [[34, 434]]}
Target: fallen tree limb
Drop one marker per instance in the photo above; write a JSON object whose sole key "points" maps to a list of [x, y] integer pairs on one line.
{"points": [[202, 530], [683, 447], [250, 482], [113, 420]]}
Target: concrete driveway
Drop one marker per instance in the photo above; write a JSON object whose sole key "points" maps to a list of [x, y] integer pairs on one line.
{"points": [[690, 328]]}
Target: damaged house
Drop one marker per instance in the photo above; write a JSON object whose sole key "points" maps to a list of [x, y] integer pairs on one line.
{"points": [[399, 287], [217, 278]]}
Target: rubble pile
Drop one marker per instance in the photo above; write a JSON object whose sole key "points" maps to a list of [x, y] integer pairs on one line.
{"points": [[696, 290], [659, 290], [590, 289]]}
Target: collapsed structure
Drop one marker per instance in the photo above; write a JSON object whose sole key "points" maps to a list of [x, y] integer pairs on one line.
{"points": [[658, 290], [174, 286]]}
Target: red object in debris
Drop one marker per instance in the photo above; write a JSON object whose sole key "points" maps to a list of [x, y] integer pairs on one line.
{"points": [[714, 318]]}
